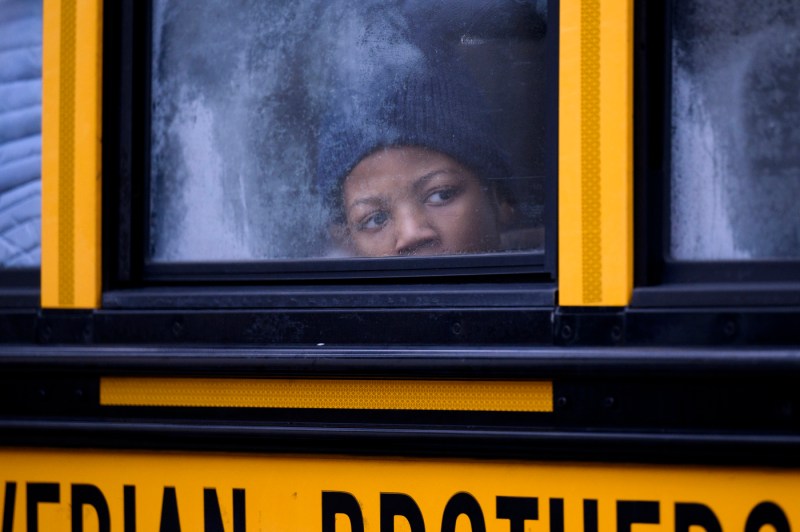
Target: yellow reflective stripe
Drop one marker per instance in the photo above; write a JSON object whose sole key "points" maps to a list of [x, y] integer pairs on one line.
{"points": [[66, 157], [496, 396], [71, 154], [596, 153], [591, 244]]}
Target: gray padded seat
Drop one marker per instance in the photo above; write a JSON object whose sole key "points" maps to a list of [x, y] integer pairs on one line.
{"points": [[20, 132]]}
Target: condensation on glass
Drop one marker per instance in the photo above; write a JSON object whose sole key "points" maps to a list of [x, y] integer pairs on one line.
{"points": [[20, 133], [735, 135], [328, 129]]}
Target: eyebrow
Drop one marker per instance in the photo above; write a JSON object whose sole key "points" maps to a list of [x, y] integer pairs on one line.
{"points": [[420, 182], [369, 200]]}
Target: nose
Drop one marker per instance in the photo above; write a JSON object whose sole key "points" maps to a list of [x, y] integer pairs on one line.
{"points": [[414, 232]]}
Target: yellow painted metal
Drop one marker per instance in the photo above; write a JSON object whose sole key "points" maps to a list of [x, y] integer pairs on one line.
{"points": [[496, 396], [596, 153], [285, 492], [71, 134]]}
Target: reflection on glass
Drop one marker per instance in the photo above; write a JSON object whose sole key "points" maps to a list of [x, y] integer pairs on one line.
{"points": [[736, 144], [322, 129], [20, 133]]}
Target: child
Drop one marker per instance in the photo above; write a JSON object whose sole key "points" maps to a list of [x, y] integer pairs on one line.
{"points": [[413, 168]]}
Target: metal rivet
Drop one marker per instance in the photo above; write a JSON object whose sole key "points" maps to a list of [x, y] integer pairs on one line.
{"points": [[729, 329]]}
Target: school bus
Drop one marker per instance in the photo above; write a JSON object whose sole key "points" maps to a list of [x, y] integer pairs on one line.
{"points": [[636, 371]]}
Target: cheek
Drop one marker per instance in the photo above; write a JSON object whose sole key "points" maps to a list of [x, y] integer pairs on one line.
{"points": [[467, 226]]}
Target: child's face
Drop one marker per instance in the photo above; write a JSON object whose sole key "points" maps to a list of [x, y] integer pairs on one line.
{"points": [[413, 201]]}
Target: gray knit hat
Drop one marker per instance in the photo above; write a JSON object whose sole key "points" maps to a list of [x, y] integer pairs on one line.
{"points": [[442, 110]]}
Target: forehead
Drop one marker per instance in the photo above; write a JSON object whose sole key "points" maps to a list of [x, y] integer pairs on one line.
{"points": [[399, 164]]}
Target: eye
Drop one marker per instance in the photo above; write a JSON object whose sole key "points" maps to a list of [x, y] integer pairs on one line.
{"points": [[373, 221], [442, 195]]}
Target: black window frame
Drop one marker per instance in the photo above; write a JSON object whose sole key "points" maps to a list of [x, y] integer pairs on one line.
{"points": [[659, 279], [126, 111], [20, 287]]}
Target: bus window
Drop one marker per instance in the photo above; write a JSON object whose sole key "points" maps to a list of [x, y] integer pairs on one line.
{"points": [[20, 133], [735, 176], [346, 129]]}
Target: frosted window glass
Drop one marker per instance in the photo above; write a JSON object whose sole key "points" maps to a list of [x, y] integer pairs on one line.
{"points": [[736, 140], [20, 133], [261, 110]]}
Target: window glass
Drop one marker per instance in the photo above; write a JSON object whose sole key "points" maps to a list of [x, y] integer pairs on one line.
{"points": [[736, 142], [20, 132], [329, 129]]}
